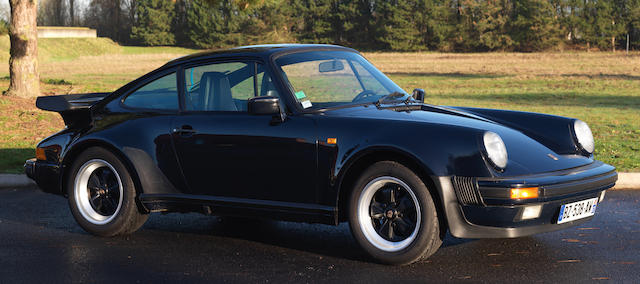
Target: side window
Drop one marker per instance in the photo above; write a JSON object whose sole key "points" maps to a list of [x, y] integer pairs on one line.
{"points": [[225, 86], [159, 94]]}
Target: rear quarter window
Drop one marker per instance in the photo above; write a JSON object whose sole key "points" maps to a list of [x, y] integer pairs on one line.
{"points": [[161, 94]]}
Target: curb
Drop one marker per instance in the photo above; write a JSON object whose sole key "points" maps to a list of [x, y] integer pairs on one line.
{"points": [[15, 180], [628, 181], [625, 181]]}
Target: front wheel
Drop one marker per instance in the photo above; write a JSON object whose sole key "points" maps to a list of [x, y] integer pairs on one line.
{"points": [[392, 215], [102, 194]]}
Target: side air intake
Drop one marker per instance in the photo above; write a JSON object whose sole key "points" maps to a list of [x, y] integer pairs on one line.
{"points": [[467, 190]]}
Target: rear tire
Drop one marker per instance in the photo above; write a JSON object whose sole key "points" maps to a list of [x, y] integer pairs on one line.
{"points": [[102, 194], [392, 215]]}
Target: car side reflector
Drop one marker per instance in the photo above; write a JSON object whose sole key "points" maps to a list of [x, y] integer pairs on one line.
{"points": [[332, 141], [40, 154], [524, 193]]}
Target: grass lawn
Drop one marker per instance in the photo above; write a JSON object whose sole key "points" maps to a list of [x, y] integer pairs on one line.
{"points": [[602, 89]]}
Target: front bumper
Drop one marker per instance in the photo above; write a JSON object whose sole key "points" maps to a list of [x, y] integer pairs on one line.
{"points": [[46, 175], [481, 208]]}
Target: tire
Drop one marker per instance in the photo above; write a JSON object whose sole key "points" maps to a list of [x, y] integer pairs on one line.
{"points": [[102, 194], [392, 215]]}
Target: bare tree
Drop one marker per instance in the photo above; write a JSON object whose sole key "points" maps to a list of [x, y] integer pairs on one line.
{"points": [[72, 15], [52, 12], [23, 63]]}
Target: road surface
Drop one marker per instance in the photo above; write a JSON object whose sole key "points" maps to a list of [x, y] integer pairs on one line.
{"points": [[40, 241]]}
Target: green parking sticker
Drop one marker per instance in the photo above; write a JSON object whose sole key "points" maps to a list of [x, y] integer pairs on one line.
{"points": [[300, 95]]}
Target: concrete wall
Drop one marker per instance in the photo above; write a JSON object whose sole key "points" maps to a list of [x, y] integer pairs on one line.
{"points": [[65, 32]]}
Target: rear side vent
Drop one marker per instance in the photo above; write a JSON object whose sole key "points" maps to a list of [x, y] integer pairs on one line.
{"points": [[467, 190]]}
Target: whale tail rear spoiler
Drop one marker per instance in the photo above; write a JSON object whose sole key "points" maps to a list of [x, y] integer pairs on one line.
{"points": [[73, 108]]}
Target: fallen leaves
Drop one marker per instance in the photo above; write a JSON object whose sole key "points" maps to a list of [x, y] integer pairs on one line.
{"points": [[624, 262]]}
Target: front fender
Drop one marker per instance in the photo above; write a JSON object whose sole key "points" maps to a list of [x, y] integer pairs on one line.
{"points": [[554, 132]]}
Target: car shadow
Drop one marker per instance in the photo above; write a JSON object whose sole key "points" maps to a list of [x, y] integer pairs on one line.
{"points": [[30, 208], [327, 240]]}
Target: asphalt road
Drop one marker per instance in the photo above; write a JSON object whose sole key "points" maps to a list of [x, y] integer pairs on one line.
{"points": [[40, 242]]}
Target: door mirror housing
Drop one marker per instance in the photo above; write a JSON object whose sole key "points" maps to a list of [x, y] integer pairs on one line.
{"points": [[266, 105], [418, 95]]}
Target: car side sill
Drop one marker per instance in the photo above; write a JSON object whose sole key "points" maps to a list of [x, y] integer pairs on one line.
{"points": [[220, 205]]}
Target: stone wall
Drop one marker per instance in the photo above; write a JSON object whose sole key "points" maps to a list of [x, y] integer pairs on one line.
{"points": [[65, 32]]}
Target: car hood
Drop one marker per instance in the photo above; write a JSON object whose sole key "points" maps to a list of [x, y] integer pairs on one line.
{"points": [[526, 154]]}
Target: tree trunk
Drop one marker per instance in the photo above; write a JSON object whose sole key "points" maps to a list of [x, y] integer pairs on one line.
{"points": [[58, 10], [72, 16], [117, 20], [23, 63], [613, 43]]}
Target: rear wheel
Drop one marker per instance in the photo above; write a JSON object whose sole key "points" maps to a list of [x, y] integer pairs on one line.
{"points": [[392, 215], [102, 194]]}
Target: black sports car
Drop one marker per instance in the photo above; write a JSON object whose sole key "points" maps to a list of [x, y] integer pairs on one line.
{"points": [[315, 133]]}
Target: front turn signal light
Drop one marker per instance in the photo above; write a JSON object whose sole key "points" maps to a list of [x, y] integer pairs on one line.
{"points": [[40, 156], [524, 193]]}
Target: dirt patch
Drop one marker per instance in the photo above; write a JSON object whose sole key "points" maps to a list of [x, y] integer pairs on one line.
{"points": [[23, 124]]}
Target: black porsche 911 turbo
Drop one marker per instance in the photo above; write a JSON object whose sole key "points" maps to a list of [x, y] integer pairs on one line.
{"points": [[315, 133]]}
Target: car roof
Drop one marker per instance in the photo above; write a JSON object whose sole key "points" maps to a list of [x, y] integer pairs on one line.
{"points": [[264, 50]]}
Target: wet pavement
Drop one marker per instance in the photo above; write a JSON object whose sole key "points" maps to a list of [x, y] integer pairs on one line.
{"points": [[40, 241]]}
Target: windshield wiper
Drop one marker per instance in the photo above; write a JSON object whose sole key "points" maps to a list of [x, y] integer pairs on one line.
{"points": [[389, 97]]}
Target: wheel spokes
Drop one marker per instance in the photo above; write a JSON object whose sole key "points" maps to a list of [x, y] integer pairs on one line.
{"points": [[94, 182], [376, 210], [386, 230], [404, 228], [109, 207], [393, 212], [405, 203]]}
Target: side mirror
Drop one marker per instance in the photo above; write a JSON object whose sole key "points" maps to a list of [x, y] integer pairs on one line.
{"points": [[266, 105], [418, 94]]}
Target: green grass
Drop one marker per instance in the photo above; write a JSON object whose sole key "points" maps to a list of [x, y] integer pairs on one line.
{"points": [[13, 159]]}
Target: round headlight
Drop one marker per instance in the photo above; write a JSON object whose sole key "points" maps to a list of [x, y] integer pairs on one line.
{"points": [[496, 151], [584, 136]]}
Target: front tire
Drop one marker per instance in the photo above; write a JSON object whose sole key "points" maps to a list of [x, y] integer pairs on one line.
{"points": [[392, 215], [102, 195]]}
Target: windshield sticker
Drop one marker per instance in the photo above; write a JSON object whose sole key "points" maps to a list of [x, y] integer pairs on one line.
{"points": [[300, 95], [306, 104]]}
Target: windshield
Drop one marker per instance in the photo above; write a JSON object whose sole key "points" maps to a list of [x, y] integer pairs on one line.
{"points": [[323, 79]]}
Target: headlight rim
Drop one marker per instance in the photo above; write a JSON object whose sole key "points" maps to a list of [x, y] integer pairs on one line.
{"points": [[580, 145], [500, 167]]}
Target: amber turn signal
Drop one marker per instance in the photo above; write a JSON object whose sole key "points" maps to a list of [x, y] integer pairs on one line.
{"points": [[524, 193], [332, 141], [40, 154]]}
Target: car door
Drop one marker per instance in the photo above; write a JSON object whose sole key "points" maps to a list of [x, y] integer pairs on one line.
{"points": [[226, 152]]}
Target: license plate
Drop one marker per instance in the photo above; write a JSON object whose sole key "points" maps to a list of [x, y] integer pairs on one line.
{"points": [[577, 210]]}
